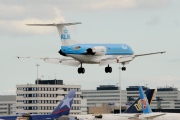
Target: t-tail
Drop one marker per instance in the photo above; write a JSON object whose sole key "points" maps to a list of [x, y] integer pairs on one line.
{"points": [[144, 101], [65, 105], [136, 106], [62, 30]]}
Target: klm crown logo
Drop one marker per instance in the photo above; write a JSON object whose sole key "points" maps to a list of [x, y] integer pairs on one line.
{"points": [[65, 35], [138, 106], [65, 31]]}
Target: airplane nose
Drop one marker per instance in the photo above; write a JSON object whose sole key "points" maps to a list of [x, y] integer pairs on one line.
{"points": [[61, 53]]}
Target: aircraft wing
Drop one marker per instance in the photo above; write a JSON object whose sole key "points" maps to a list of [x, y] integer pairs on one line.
{"points": [[124, 59], [140, 115], [62, 61], [149, 54], [154, 115]]}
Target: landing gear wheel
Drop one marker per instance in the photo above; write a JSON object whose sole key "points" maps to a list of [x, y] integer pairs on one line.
{"points": [[81, 70], [123, 68], [108, 69]]}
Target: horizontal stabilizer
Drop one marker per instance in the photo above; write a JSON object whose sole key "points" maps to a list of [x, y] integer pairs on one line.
{"points": [[55, 24]]}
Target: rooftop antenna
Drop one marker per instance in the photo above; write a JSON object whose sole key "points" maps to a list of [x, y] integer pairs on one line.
{"points": [[37, 65]]}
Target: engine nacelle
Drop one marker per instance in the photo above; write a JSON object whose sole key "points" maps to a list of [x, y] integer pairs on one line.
{"points": [[98, 50]]}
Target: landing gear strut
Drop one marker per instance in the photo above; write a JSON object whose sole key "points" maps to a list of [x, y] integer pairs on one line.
{"points": [[108, 69], [81, 70]]}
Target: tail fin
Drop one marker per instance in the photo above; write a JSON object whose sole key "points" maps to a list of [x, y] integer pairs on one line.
{"points": [[65, 105], [145, 105], [62, 30], [136, 107]]}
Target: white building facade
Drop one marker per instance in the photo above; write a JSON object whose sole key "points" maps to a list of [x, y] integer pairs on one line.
{"points": [[43, 98], [7, 105], [106, 94], [166, 98]]}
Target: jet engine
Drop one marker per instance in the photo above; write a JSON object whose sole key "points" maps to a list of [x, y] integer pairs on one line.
{"points": [[98, 50]]}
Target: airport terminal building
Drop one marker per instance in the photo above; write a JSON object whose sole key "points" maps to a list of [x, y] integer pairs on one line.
{"points": [[43, 96], [7, 105], [104, 99]]}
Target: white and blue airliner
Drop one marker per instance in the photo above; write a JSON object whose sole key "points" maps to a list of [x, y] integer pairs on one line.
{"points": [[77, 54]]}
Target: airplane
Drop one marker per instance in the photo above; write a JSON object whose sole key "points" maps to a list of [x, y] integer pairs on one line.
{"points": [[63, 108], [149, 115], [146, 115], [134, 109], [76, 54]]}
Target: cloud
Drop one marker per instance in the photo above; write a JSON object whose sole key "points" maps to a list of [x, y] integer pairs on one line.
{"points": [[126, 4], [106, 4], [18, 27], [10, 11], [14, 15]]}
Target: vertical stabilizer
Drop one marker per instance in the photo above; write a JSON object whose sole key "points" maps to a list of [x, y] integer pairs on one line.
{"points": [[65, 105], [62, 30], [136, 107], [145, 105]]}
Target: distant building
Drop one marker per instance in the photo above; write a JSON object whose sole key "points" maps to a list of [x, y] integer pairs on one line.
{"points": [[166, 98], [104, 95], [7, 105], [84, 106], [43, 96]]}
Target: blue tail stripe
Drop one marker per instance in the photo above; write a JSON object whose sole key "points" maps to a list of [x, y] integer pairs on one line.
{"points": [[145, 105]]}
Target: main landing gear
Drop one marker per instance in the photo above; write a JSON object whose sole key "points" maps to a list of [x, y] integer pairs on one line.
{"points": [[123, 68], [108, 69], [81, 70]]}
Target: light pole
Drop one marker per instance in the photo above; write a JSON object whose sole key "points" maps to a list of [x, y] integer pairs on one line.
{"points": [[37, 70], [119, 89], [37, 101]]}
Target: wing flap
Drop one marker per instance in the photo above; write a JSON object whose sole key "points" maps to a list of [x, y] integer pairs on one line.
{"points": [[71, 63], [106, 62], [53, 61], [119, 59]]}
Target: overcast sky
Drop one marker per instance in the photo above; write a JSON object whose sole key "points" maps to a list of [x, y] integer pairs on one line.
{"points": [[145, 25]]}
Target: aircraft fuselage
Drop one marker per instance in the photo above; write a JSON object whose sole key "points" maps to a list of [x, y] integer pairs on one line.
{"points": [[94, 53]]}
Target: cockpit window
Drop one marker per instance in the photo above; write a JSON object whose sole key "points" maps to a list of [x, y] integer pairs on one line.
{"points": [[77, 48]]}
